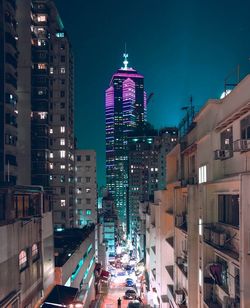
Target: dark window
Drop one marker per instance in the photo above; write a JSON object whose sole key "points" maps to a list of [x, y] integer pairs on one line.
{"points": [[62, 58], [62, 117], [62, 105], [228, 209], [245, 128], [62, 93], [224, 273], [63, 81], [87, 157], [78, 158]]}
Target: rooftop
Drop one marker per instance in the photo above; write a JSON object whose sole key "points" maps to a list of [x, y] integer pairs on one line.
{"points": [[67, 241]]}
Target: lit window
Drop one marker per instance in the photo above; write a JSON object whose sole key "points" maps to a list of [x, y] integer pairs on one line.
{"points": [[41, 18], [62, 154], [62, 141], [60, 34], [88, 190], [200, 226], [51, 155], [51, 166], [51, 130], [152, 169], [43, 115], [42, 66], [62, 70], [23, 261], [63, 202], [34, 252], [200, 277], [51, 70], [62, 129], [62, 166], [203, 174], [78, 190], [88, 212]]}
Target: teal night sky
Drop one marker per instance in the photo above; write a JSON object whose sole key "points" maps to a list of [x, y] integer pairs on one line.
{"points": [[182, 47]]}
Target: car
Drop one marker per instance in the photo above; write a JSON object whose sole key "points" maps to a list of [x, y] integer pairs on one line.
{"points": [[130, 294], [129, 282]]}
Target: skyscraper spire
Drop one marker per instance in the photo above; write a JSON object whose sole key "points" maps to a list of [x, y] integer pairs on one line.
{"points": [[125, 62]]}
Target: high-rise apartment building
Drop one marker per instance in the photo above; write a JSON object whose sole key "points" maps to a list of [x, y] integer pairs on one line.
{"points": [[147, 170], [125, 110], [8, 92], [86, 188], [52, 140]]}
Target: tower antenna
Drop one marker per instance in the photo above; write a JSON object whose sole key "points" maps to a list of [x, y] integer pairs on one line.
{"points": [[125, 56]]}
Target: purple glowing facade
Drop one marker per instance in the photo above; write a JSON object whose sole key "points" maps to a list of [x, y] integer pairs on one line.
{"points": [[125, 108]]}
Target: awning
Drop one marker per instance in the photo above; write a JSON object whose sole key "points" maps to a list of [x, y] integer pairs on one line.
{"points": [[104, 275], [60, 296]]}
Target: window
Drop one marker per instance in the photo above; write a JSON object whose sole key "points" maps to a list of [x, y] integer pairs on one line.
{"points": [[87, 157], [88, 190], [203, 174], [51, 70], [78, 190], [226, 138], [78, 201], [60, 34], [78, 158], [23, 260], [62, 70], [62, 129], [62, 167], [62, 117], [51, 130], [34, 252], [63, 81], [42, 66], [62, 105], [62, 178], [79, 179], [63, 202], [62, 190], [228, 209], [62, 93], [51, 166], [62, 58], [41, 18], [62, 141], [224, 272], [88, 201], [88, 179], [245, 128], [88, 212], [62, 154]]}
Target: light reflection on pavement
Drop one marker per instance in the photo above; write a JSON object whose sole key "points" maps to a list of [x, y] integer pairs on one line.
{"points": [[116, 289]]}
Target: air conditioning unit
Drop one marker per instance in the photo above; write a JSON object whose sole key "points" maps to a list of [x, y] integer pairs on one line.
{"points": [[179, 297], [218, 238]]}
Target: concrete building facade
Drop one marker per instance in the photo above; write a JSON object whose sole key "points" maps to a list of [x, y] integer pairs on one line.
{"points": [[86, 187], [27, 249], [207, 208]]}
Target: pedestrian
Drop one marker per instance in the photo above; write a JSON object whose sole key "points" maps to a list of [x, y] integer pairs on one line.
{"points": [[119, 302]]}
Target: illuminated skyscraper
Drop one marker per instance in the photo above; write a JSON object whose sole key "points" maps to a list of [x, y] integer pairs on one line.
{"points": [[125, 110]]}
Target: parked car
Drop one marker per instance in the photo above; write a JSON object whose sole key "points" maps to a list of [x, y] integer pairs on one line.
{"points": [[130, 294], [129, 282]]}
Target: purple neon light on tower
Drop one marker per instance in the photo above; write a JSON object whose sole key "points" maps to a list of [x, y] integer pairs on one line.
{"points": [[125, 108]]}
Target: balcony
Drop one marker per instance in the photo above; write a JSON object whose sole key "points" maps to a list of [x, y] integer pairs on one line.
{"points": [[241, 145], [222, 154], [181, 263], [224, 238], [170, 241], [181, 221], [170, 270], [212, 303]]}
